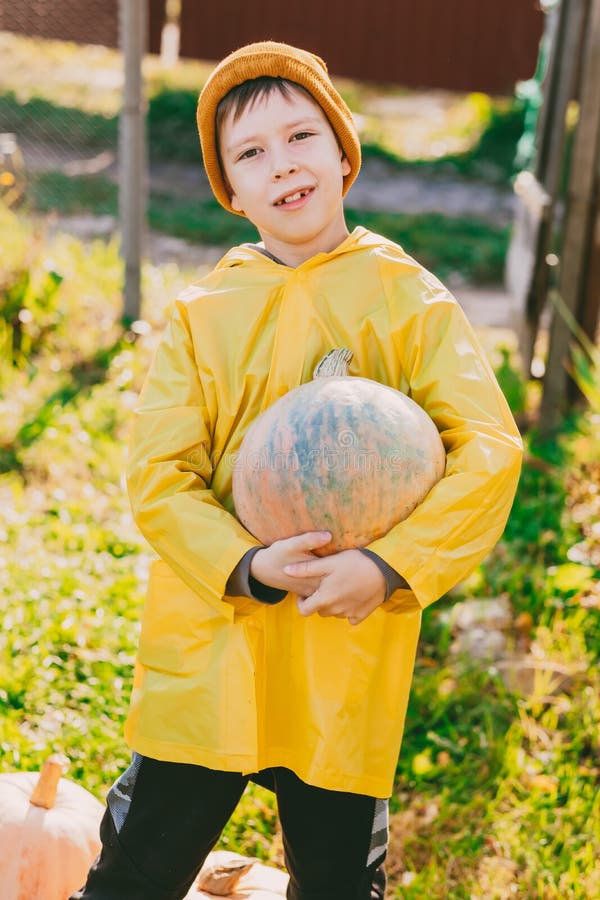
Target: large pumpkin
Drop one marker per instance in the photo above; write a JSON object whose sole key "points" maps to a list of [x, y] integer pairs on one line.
{"points": [[49, 834], [341, 454]]}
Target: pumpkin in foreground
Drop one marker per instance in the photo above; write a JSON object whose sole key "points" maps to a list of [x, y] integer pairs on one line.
{"points": [[341, 454], [230, 875], [49, 833]]}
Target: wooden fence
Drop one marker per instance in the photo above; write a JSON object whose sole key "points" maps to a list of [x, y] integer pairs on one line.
{"points": [[464, 45]]}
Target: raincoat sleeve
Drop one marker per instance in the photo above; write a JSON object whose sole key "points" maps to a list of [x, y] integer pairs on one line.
{"points": [[169, 473], [449, 376]]}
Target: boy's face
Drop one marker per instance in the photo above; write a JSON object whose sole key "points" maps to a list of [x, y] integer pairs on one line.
{"points": [[285, 169]]}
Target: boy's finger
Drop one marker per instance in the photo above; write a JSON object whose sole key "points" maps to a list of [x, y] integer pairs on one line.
{"points": [[311, 539], [309, 567], [310, 605]]}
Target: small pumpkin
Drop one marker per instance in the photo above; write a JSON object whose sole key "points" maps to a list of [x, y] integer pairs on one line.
{"points": [[341, 454], [231, 875], [49, 833]]}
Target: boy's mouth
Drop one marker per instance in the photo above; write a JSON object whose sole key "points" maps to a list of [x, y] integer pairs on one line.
{"points": [[293, 197]]}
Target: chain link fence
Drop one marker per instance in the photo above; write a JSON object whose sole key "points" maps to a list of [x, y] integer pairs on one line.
{"points": [[60, 93]]}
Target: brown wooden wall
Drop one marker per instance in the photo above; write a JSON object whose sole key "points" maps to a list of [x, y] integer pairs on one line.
{"points": [[465, 45]]}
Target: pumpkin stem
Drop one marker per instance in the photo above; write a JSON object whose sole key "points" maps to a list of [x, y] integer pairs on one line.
{"points": [[44, 793], [335, 363]]}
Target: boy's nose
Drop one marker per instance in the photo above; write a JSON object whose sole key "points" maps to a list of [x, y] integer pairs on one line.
{"points": [[280, 170]]}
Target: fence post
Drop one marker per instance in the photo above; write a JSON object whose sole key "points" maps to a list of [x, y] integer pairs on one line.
{"points": [[577, 234], [590, 316], [527, 274], [133, 156]]}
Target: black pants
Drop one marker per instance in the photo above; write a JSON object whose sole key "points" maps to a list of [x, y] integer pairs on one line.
{"points": [[164, 818]]}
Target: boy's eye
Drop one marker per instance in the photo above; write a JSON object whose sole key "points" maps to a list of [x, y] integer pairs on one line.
{"points": [[248, 154], [301, 135]]}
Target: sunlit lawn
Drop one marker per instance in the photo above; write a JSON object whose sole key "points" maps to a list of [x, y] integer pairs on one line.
{"points": [[497, 791]]}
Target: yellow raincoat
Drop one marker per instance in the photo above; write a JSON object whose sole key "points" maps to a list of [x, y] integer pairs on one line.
{"points": [[234, 684]]}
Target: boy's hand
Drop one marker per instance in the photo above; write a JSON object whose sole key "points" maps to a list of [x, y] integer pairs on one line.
{"points": [[268, 565], [351, 585]]}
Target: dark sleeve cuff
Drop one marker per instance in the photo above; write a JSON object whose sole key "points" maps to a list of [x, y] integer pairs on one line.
{"points": [[241, 583], [393, 580]]}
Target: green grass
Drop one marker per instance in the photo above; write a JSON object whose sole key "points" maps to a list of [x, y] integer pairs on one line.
{"points": [[39, 119], [516, 784], [446, 246], [496, 793], [171, 125], [72, 194], [490, 158]]}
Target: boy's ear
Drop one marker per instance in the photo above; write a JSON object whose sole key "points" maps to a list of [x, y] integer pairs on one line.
{"points": [[346, 167]]}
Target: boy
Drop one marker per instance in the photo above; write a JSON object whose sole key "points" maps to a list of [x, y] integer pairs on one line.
{"points": [[271, 662]]}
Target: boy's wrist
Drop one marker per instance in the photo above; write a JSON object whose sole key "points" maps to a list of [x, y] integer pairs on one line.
{"points": [[393, 580], [243, 583], [254, 562]]}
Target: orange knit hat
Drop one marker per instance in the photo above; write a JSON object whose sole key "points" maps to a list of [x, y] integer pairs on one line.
{"points": [[278, 61]]}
